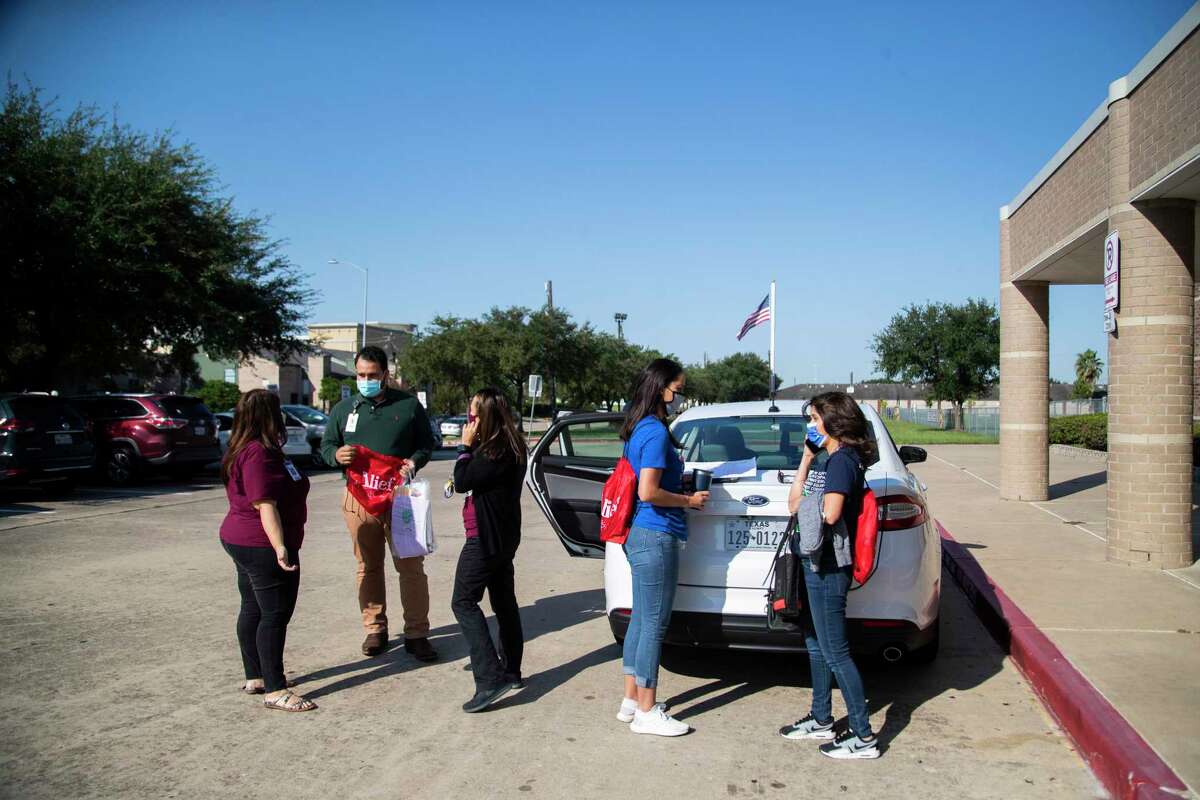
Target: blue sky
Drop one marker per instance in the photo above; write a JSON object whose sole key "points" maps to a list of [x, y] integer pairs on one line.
{"points": [[663, 159]]}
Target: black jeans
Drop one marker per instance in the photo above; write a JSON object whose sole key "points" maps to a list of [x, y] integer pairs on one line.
{"points": [[268, 600], [474, 574]]}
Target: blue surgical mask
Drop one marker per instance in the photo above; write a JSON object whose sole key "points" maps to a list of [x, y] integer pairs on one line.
{"points": [[369, 387], [815, 436]]}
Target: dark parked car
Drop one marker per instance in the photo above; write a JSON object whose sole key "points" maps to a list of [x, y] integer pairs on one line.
{"points": [[43, 440], [139, 432]]}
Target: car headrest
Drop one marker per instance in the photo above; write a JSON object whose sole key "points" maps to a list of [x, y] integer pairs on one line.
{"points": [[714, 452]]}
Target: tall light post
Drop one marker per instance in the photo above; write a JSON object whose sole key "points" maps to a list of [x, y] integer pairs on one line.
{"points": [[620, 318], [366, 276]]}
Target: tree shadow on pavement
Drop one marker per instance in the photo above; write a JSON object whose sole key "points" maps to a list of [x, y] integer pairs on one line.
{"points": [[969, 657], [546, 615]]}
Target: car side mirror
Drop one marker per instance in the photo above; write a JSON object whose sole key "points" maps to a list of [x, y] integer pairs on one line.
{"points": [[912, 455]]}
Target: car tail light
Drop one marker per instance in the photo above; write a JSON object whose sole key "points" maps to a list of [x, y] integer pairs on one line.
{"points": [[168, 423], [899, 512], [13, 425]]}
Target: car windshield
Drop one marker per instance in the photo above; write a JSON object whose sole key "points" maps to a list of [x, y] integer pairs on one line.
{"points": [[775, 442], [457, 420], [185, 407], [309, 415]]}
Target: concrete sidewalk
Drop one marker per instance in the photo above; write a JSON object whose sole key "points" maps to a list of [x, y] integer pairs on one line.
{"points": [[1133, 633]]}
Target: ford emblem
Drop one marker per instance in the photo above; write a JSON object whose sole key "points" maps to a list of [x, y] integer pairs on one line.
{"points": [[755, 500]]}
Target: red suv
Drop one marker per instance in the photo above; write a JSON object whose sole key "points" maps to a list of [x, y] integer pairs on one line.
{"points": [[137, 432]]}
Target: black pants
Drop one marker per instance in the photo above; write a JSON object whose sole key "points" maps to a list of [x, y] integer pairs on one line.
{"points": [[268, 600], [474, 574]]}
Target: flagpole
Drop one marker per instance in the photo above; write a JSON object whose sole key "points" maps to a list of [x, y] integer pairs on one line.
{"points": [[771, 355]]}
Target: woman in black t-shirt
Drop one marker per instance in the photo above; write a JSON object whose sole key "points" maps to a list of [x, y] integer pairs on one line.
{"points": [[837, 418]]}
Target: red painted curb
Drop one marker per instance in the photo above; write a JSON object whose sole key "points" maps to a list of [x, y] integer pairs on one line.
{"points": [[1116, 753]]}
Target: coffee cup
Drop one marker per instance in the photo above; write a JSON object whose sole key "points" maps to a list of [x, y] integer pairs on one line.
{"points": [[701, 480]]}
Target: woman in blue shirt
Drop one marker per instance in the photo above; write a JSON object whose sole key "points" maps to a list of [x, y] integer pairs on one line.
{"points": [[659, 526]]}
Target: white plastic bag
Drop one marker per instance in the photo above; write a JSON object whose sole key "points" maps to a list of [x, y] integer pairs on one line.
{"points": [[412, 521]]}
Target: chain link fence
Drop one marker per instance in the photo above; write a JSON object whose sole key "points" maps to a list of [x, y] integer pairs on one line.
{"points": [[987, 420]]}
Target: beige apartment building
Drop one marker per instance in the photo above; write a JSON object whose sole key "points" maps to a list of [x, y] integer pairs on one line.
{"points": [[1119, 198]]}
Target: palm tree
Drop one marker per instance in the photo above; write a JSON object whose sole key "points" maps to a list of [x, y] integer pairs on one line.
{"points": [[1088, 369]]}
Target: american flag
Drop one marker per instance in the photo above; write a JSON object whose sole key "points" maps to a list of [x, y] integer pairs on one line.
{"points": [[758, 317]]}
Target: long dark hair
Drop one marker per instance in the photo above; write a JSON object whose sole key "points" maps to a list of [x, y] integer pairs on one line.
{"points": [[257, 418], [845, 421], [497, 436], [646, 397]]}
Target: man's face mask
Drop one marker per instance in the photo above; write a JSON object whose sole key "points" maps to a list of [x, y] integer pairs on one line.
{"points": [[369, 387]]}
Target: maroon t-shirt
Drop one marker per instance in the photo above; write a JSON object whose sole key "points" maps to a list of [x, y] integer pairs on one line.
{"points": [[258, 473]]}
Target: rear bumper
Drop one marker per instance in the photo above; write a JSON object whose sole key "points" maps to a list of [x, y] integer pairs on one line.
{"points": [[742, 632], [11, 474], [188, 455]]}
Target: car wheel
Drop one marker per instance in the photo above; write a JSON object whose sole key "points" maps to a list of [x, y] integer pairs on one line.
{"points": [[927, 654], [121, 468]]}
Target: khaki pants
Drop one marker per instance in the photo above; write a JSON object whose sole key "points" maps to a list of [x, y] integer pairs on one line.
{"points": [[371, 538]]}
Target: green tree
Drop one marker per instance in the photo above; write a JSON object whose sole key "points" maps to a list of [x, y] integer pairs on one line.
{"points": [[121, 256], [953, 349], [1088, 369], [218, 395], [330, 391], [732, 379]]}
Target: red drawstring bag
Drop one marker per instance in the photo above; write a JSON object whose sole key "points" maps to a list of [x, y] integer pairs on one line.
{"points": [[372, 478], [617, 502], [866, 538]]}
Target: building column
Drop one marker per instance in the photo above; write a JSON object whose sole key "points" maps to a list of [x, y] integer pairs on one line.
{"points": [[1024, 383], [1150, 372]]}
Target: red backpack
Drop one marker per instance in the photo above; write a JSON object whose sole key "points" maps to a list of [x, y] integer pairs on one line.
{"points": [[866, 538], [617, 502]]}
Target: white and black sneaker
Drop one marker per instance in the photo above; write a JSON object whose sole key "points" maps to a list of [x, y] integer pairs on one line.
{"points": [[807, 728], [630, 707], [851, 745]]}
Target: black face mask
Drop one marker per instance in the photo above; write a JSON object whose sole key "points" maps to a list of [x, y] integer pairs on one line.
{"points": [[676, 403]]}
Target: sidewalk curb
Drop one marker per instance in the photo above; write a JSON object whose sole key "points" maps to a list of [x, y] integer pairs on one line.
{"points": [[1126, 766]]}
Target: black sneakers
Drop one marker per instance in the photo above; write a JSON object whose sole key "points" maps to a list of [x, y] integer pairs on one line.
{"points": [[485, 697], [851, 745], [807, 728]]}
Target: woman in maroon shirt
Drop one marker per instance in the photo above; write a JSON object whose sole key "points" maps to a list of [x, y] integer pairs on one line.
{"points": [[263, 532]]}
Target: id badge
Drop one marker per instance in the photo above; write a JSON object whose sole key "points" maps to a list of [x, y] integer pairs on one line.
{"points": [[352, 423], [291, 468]]}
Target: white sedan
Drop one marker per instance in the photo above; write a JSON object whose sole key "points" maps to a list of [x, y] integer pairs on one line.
{"points": [[451, 427], [723, 568], [296, 447]]}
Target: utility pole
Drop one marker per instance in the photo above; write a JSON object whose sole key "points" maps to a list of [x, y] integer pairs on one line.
{"points": [[553, 384], [620, 318]]}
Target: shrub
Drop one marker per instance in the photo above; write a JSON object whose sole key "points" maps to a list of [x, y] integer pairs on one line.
{"points": [[218, 395], [1085, 430]]}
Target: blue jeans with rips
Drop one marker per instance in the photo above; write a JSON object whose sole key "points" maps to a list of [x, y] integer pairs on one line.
{"points": [[654, 559]]}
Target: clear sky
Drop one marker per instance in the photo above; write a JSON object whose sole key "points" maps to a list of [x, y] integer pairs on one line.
{"points": [[662, 159]]}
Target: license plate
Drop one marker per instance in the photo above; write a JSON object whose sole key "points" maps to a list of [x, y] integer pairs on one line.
{"points": [[200, 430], [62, 438], [754, 533]]}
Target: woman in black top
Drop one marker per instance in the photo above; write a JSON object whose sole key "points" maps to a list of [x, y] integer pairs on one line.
{"points": [[490, 469]]}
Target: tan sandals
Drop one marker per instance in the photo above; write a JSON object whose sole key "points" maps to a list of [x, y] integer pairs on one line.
{"points": [[284, 703]]}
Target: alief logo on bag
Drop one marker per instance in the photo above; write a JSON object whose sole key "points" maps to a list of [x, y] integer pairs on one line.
{"points": [[377, 483], [608, 508]]}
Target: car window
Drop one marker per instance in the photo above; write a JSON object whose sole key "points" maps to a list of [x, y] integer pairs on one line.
{"points": [[589, 440], [125, 409], [309, 415], [292, 421], [224, 423], [185, 407], [774, 442], [46, 412]]}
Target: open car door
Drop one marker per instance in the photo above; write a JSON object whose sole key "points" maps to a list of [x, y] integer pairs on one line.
{"points": [[567, 470]]}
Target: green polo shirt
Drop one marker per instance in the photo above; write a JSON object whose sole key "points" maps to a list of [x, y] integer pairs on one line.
{"points": [[396, 425]]}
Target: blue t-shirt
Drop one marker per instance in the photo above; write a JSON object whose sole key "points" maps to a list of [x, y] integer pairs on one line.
{"points": [[650, 447]]}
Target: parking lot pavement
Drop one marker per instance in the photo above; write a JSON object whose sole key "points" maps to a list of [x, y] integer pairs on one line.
{"points": [[120, 675]]}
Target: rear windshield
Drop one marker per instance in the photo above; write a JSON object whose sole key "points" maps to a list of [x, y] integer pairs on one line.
{"points": [[46, 412], [309, 415], [774, 442], [185, 407]]}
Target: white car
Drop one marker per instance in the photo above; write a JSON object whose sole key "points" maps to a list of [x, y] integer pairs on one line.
{"points": [[452, 426], [296, 448], [722, 592]]}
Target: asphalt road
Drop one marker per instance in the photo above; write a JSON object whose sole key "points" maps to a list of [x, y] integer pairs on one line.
{"points": [[120, 672]]}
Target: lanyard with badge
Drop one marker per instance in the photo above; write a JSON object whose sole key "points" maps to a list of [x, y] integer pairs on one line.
{"points": [[291, 469], [352, 418]]}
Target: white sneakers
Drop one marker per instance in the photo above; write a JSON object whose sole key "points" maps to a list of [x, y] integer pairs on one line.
{"points": [[657, 723], [628, 707]]}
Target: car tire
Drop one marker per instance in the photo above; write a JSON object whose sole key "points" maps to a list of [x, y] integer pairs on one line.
{"points": [[121, 467], [928, 653]]}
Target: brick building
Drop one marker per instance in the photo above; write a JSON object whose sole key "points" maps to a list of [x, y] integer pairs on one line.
{"points": [[1132, 168]]}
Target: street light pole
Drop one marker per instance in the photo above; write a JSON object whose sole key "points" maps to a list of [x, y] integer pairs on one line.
{"points": [[620, 318], [366, 277]]}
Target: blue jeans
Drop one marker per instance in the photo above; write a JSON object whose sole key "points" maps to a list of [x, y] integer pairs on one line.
{"points": [[654, 559], [828, 650]]}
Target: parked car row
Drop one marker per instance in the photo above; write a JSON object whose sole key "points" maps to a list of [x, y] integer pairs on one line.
{"points": [[54, 441]]}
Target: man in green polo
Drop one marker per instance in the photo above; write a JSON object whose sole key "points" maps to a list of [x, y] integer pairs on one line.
{"points": [[391, 422]]}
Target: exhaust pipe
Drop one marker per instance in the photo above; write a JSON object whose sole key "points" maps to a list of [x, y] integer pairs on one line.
{"points": [[892, 654]]}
